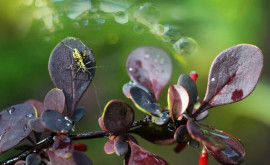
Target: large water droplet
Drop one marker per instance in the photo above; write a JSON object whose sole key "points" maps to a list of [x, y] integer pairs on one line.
{"points": [[147, 15], [185, 46], [77, 7], [138, 29], [84, 22], [29, 115], [10, 110], [121, 17], [111, 7], [213, 79], [171, 33], [131, 69], [100, 21], [158, 29]]}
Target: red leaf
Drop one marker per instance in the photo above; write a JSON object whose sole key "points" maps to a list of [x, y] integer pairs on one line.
{"points": [[55, 100], [142, 157], [233, 75], [150, 67], [109, 147], [63, 146], [80, 147]]}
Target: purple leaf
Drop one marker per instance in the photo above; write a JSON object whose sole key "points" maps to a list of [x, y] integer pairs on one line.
{"points": [[68, 75], [37, 126], [118, 117], [55, 99], [233, 75], [144, 101], [121, 145], [178, 101], [141, 156], [205, 136], [109, 147], [101, 124], [157, 134], [20, 162], [56, 121], [78, 114], [14, 125], [191, 88], [33, 159], [150, 67], [37, 104], [163, 119], [63, 146], [181, 135], [81, 158], [126, 89]]}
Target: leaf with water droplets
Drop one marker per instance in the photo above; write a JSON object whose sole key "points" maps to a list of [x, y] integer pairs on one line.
{"points": [[78, 114], [67, 75], [187, 82], [205, 136], [157, 134], [63, 146], [33, 159], [144, 101], [121, 145], [56, 121], [109, 147], [178, 101], [118, 117], [233, 75], [37, 104], [14, 125], [141, 156], [150, 67], [55, 99]]}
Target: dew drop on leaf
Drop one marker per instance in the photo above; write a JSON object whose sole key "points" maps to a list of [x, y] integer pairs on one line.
{"points": [[10, 110], [185, 46], [121, 17], [146, 14]]}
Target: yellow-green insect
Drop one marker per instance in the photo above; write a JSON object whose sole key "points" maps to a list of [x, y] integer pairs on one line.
{"points": [[79, 60]]}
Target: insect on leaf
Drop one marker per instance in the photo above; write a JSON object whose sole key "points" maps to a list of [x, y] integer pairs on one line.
{"points": [[233, 75], [150, 67], [69, 73]]}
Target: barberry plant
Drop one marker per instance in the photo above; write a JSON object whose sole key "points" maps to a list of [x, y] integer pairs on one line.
{"points": [[233, 76]]}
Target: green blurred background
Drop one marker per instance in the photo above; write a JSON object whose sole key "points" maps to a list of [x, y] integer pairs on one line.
{"points": [[31, 28]]}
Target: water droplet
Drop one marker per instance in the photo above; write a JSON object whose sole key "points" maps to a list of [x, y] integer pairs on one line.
{"points": [[84, 22], [146, 56], [25, 127], [162, 61], [171, 33], [213, 79], [158, 29], [147, 15], [138, 29], [73, 128], [1, 137], [30, 115], [59, 120], [185, 46], [111, 7], [77, 7], [63, 131], [133, 70], [11, 110], [68, 124], [121, 17], [100, 21]]}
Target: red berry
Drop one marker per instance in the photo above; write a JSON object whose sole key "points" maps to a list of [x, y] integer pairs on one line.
{"points": [[203, 158], [80, 147], [193, 75]]}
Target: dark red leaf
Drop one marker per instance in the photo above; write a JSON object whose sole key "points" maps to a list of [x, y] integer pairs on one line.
{"points": [[150, 67], [63, 146], [187, 82], [55, 99], [101, 124], [20, 162], [121, 145], [233, 75], [205, 136], [109, 147], [127, 86], [179, 147], [78, 114], [144, 101], [118, 117], [37, 126], [72, 79], [81, 159], [181, 135], [141, 156], [37, 104], [193, 143], [80, 147], [178, 101], [202, 115], [33, 159], [157, 134], [56, 121], [14, 125]]}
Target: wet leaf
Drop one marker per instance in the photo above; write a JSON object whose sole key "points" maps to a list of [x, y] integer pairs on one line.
{"points": [[63, 146], [37, 104], [56, 121], [233, 153], [78, 114], [178, 101], [14, 125], [37, 126], [150, 67], [205, 136], [63, 73], [157, 134], [33, 159], [127, 86], [55, 99], [181, 135], [163, 119], [121, 145], [190, 86], [141, 156], [145, 102], [109, 147], [118, 117], [77, 158], [233, 75]]}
